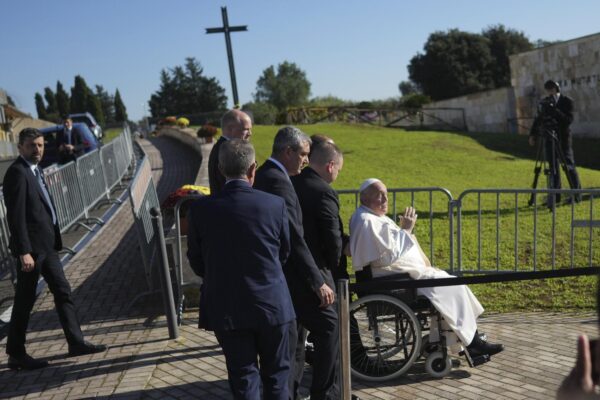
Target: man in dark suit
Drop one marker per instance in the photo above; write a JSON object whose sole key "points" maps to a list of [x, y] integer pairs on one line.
{"points": [[324, 235], [237, 242], [323, 227], [70, 142], [235, 124], [313, 298], [555, 118], [34, 241]]}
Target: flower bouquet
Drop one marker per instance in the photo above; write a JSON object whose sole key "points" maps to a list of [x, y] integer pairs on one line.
{"points": [[183, 122], [208, 132], [186, 190]]}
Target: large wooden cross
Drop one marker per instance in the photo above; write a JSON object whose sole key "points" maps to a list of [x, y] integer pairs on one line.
{"points": [[226, 29]]}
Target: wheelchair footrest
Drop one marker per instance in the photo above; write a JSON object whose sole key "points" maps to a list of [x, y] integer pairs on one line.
{"points": [[480, 359], [475, 361]]}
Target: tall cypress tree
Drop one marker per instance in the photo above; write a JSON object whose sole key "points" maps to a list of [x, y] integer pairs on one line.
{"points": [[120, 110], [40, 106], [50, 101], [107, 102], [94, 107], [79, 95], [62, 100]]}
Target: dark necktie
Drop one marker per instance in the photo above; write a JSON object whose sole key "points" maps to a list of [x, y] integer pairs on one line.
{"points": [[68, 132], [40, 180]]}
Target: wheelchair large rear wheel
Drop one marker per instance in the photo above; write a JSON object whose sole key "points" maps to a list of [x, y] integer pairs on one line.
{"points": [[385, 338]]}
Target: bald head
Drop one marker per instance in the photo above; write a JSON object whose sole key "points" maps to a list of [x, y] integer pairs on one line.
{"points": [[236, 124]]}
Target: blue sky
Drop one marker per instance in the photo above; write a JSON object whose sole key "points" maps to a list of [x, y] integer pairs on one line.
{"points": [[356, 50]]}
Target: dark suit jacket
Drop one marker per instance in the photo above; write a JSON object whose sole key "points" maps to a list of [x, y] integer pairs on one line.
{"points": [[238, 241], [323, 228], [563, 113], [301, 271], [215, 178], [76, 140], [29, 216]]}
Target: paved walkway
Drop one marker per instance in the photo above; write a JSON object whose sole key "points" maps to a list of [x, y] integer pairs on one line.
{"points": [[140, 363]]}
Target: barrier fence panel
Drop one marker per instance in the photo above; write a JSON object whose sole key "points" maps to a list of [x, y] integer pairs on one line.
{"points": [[121, 155], [91, 178], [143, 197], [434, 227], [68, 199], [109, 166], [8, 268], [7, 261], [499, 231], [128, 140], [180, 234]]}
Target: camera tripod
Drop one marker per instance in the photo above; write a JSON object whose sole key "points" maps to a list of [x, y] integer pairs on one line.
{"points": [[550, 167]]}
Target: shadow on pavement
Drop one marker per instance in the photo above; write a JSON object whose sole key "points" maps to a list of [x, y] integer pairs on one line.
{"points": [[64, 370]]}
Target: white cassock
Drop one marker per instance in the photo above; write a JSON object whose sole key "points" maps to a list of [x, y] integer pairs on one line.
{"points": [[379, 242]]}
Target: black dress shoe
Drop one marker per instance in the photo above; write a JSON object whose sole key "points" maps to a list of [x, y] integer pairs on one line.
{"points": [[85, 348], [25, 362], [484, 348]]}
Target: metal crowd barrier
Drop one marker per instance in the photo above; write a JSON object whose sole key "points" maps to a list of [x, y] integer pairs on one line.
{"points": [[148, 223], [67, 194], [90, 176], [515, 230], [8, 263], [179, 236], [143, 197], [109, 166]]}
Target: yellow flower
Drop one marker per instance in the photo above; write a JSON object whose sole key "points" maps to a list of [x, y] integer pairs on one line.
{"points": [[183, 122], [200, 189]]}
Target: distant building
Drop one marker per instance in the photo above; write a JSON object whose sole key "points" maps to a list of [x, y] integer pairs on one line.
{"points": [[12, 121]]}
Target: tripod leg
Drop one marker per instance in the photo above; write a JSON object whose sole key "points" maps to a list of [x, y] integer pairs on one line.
{"points": [[554, 175], [563, 163], [539, 164]]}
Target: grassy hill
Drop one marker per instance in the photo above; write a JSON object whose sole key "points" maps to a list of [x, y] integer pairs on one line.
{"points": [[460, 161]]}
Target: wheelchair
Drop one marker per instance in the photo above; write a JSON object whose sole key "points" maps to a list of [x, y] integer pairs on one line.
{"points": [[390, 332]]}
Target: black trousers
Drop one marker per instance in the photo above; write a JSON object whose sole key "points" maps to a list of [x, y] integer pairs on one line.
{"points": [[553, 157], [51, 269], [322, 323], [244, 348]]}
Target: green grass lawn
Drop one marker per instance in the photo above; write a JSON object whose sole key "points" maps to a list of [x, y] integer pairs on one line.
{"points": [[110, 134], [457, 162]]}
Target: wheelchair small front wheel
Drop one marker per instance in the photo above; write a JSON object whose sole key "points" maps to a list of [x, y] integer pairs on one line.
{"points": [[438, 365]]}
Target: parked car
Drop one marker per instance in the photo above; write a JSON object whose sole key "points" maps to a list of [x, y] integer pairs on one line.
{"points": [[50, 136], [89, 120]]}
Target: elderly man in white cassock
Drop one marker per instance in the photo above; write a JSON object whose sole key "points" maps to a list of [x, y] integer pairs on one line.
{"points": [[378, 242]]}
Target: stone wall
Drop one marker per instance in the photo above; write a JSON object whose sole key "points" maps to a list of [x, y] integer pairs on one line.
{"points": [[483, 112], [575, 65], [200, 145]]}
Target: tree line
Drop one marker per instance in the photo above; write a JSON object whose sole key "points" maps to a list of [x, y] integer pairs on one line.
{"points": [[106, 108], [184, 90], [453, 63]]}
